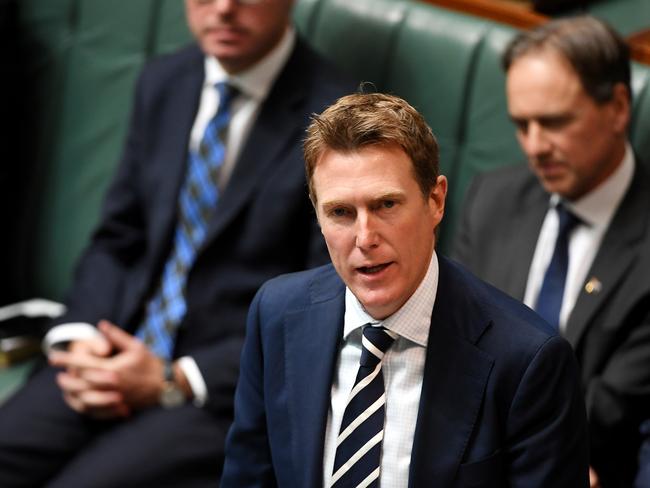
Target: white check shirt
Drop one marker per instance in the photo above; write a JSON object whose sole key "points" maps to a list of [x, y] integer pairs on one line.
{"points": [[403, 368]]}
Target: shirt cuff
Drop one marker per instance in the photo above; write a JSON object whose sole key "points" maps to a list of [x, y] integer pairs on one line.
{"points": [[61, 335], [195, 379]]}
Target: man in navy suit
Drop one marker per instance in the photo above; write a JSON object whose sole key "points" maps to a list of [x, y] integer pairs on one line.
{"points": [[477, 390], [113, 413]]}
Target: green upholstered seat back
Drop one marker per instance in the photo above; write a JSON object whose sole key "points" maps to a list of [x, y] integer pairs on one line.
{"points": [[81, 58], [640, 127], [446, 64], [626, 16]]}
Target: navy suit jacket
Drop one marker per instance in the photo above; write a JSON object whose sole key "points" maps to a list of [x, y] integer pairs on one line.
{"points": [[609, 327], [264, 224], [500, 403]]}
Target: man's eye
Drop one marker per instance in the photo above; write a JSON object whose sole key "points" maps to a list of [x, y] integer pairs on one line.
{"points": [[388, 203], [555, 122], [521, 125], [339, 212]]}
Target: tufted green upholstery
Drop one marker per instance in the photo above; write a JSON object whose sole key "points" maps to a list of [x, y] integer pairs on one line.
{"points": [[447, 64], [78, 60], [443, 62], [81, 58], [640, 131], [626, 16]]}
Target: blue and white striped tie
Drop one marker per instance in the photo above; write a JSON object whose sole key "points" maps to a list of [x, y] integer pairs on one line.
{"points": [[197, 202], [358, 446]]}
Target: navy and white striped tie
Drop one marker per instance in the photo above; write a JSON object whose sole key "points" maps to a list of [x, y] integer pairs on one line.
{"points": [[358, 446]]}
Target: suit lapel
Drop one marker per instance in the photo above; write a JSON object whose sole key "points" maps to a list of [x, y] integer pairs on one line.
{"points": [[266, 143], [168, 151], [455, 377], [312, 339], [619, 249], [519, 250]]}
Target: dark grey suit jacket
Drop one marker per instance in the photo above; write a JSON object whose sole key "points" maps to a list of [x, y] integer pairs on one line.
{"points": [[609, 329]]}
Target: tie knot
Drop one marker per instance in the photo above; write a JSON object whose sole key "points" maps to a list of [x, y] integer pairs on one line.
{"points": [[567, 219], [375, 343], [227, 93]]}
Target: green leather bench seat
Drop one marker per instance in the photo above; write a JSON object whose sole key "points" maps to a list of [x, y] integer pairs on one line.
{"points": [[640, 130], [626, 16], [447, 64], [82, 58], [79, 59]]}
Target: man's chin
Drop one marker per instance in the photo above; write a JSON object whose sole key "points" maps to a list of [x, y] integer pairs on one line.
{"points": [[554, 181], [223, 47], [379, 303]]}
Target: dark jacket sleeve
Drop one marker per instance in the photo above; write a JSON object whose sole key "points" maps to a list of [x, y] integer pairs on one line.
{"points": [[547, 427], [618, 392], [248, 454]]}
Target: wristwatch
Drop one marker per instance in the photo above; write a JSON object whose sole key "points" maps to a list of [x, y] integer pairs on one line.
{"points": [[171, 395]]}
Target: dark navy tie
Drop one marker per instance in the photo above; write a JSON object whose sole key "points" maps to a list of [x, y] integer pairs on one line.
{"points": [[197, 202], [549, 300], [358, 446]]}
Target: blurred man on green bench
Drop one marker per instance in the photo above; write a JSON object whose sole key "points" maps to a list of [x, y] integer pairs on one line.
{"points": [[208, 203], [570, 234]]}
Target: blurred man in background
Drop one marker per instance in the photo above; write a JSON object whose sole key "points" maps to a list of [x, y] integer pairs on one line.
{"points": [[209, 202]]}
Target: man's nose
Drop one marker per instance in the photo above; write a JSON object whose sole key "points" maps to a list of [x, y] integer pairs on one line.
{"points": [[535, 141], [221, 6], [367, 236]]}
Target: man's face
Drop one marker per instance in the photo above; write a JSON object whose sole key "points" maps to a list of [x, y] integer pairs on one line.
{"points": [[378, 226], [237, 34], [573, 143]]}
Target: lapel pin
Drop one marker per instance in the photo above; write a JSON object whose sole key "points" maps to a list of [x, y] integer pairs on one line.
{"points": [[593, 286]]}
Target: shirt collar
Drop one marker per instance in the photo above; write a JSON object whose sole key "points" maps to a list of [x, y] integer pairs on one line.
{"points": [[412, 321], [597, 207], [257, 80]]}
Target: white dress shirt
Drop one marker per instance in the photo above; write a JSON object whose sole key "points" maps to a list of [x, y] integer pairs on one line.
{"points": [[403, 368], [254, 86], [595, 210]]}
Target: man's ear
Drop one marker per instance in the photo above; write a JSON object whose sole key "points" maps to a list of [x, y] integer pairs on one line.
{"points": [[621, 109], [438, 195]]}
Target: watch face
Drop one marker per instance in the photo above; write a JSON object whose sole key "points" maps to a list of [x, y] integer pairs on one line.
{"points": [[172, 396]]}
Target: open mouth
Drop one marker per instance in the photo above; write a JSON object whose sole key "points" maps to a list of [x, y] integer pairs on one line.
{"points": [[370, 270]]}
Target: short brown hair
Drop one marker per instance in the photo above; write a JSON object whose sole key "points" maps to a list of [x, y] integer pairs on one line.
{"points": [[367, 119], [598, 55]]}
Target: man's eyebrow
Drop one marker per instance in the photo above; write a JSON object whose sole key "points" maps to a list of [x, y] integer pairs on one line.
{"points": [[554, 118], [541, 117], [333, 203], [391, 195]]}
